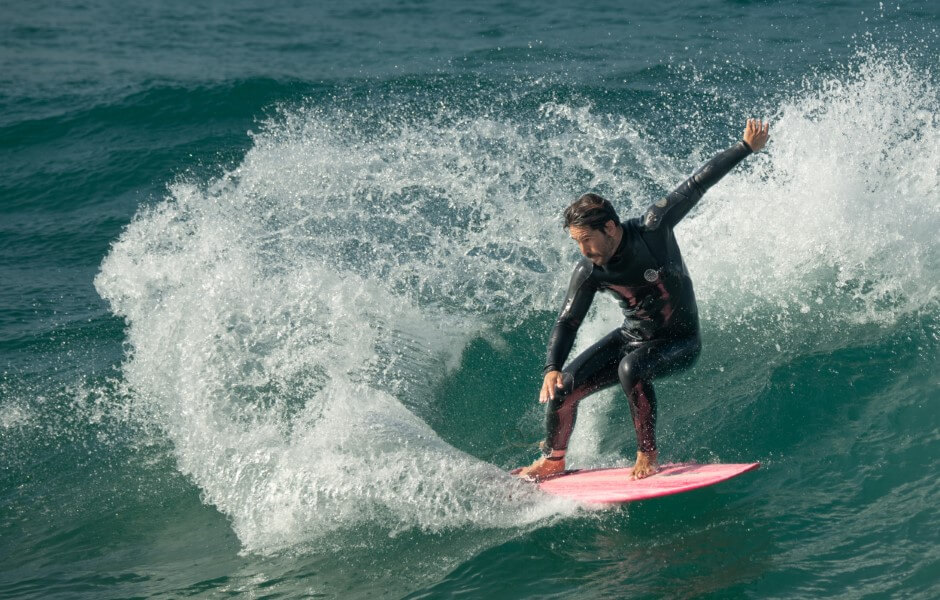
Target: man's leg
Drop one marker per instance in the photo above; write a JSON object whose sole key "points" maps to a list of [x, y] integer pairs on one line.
{"points": [[593, 370], [643, 362]]}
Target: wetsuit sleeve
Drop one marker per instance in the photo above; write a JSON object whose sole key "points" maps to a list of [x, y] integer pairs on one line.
{"points": [[680, 201], [578, 300]]}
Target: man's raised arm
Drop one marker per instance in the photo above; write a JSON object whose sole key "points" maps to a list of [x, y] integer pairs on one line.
{"points": [[680, 201]]}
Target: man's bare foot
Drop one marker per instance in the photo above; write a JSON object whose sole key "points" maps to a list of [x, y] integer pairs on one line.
{"points": [[646, 464], [542, 468]]}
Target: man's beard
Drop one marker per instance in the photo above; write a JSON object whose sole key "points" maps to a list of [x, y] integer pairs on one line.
{"points": [[602, 259]]}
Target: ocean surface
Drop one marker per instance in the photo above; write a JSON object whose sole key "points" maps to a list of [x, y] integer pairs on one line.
{"points": [[276, 281]]}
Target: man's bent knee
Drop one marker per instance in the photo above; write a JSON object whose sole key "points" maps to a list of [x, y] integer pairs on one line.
{"points": [[626, 371]]}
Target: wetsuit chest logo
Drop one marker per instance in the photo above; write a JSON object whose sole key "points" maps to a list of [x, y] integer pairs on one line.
{"points": [[651, 275]]}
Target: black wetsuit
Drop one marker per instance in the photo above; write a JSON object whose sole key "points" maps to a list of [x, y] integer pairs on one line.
{"points": [[660, 333]]}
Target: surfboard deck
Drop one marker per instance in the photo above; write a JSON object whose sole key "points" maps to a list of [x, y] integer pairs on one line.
{"points": [[614, 486]]}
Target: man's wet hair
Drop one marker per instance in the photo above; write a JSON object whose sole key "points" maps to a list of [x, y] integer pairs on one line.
{"points": [[590, 210]]}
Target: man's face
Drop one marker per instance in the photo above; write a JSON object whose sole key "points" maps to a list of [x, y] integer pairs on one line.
{"points": [[595, 244]]}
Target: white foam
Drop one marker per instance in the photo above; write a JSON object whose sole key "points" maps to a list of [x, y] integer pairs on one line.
{"points": [[282, 319], [838, 220], [15, 414]]}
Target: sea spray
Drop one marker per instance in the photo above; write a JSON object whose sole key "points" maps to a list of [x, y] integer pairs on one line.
{"points": [[839, 217], [271, 320]]}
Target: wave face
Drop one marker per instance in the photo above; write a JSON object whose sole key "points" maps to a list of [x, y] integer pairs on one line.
{"points": [[290, 321]]}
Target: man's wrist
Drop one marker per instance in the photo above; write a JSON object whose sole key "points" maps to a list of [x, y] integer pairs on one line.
{"points": [[748, 146]]}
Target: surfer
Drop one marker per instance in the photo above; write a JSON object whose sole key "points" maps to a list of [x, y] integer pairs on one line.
{"points": [[638, 262]]}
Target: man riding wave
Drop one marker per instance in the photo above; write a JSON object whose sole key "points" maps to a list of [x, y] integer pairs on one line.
{"points": [[638, 262]]}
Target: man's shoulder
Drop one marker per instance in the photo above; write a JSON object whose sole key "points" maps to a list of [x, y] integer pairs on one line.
{"points": [[634, 225], [582, 271], [584, 267], [637, 227]]}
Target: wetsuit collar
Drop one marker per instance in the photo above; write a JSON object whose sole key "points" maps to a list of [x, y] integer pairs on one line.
{"points": [[618, 254]]}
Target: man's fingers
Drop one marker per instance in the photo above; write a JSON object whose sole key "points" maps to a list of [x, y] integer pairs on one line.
{"points": [[550, 385], [753, 127], [756, 133], [547, 392]]}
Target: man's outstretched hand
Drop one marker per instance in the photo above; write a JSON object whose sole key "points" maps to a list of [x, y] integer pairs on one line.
{"points": [[551, 384], [756, 134]]}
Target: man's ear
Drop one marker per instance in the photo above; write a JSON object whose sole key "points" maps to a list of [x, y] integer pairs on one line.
{"points": [[610, 227]]}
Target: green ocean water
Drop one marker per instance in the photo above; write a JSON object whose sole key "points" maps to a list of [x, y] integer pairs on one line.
{"points": [[278, 279]]}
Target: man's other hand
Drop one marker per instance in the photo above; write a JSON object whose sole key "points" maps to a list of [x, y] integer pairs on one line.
{"points": [[552, 383], [756, 134]]}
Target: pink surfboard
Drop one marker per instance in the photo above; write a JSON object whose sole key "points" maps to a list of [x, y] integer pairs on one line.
{"points": [[613, 486]]}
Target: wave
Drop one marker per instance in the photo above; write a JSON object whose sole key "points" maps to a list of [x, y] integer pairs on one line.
{"points": [[290, 322]]}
